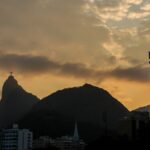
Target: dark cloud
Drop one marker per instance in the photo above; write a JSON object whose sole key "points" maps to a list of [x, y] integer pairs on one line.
{"points": [[27, 64], [132, 61], [137, 73]]}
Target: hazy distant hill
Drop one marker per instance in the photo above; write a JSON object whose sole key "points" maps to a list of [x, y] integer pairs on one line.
{"points": [[88, 105], [144, 109], [15, 102]]}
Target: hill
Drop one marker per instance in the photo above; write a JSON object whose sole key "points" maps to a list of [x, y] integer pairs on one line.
{"points": [[91, 107]]}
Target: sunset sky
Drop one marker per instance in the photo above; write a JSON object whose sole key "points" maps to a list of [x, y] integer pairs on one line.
{"points": [[54, 44]]}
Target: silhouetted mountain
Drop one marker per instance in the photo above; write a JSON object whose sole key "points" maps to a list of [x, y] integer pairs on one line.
{"points": [[15, 102], [91, 107], [144, 109]]}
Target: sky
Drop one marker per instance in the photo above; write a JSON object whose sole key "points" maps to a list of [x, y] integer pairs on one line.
{"points": [[54, 44]]}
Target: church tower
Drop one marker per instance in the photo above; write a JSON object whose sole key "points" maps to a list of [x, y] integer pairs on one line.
{"points": [[76, 133]]}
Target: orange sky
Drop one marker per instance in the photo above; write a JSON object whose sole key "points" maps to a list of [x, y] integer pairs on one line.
{"points": [[54, 44]]}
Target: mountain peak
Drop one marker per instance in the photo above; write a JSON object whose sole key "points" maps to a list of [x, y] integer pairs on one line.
{"points": [[93, 88], [9, 86], [11, 80], [90, 86], [87, 85], [15, 102]]}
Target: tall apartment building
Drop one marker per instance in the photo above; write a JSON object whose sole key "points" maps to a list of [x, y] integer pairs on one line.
{"points": [[15, 139]]}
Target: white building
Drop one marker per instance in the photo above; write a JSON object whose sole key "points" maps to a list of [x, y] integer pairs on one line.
{"points": [[15, 139]]}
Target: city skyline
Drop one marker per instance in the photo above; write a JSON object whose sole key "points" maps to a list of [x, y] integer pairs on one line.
{"points": [[54, 44]]}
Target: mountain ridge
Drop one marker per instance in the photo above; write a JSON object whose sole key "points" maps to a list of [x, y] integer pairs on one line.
{"points": [[56, 114], [143, 108]]}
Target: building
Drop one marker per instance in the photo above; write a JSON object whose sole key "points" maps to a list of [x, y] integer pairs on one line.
{"points": [[69, 143], [15, 139], [42, 142]]}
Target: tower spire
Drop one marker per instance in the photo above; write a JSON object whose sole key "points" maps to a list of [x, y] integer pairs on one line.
{"points": [[76, 133]]}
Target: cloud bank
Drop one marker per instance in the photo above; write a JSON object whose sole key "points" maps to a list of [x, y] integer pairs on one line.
{"points": [[27, 64]]}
